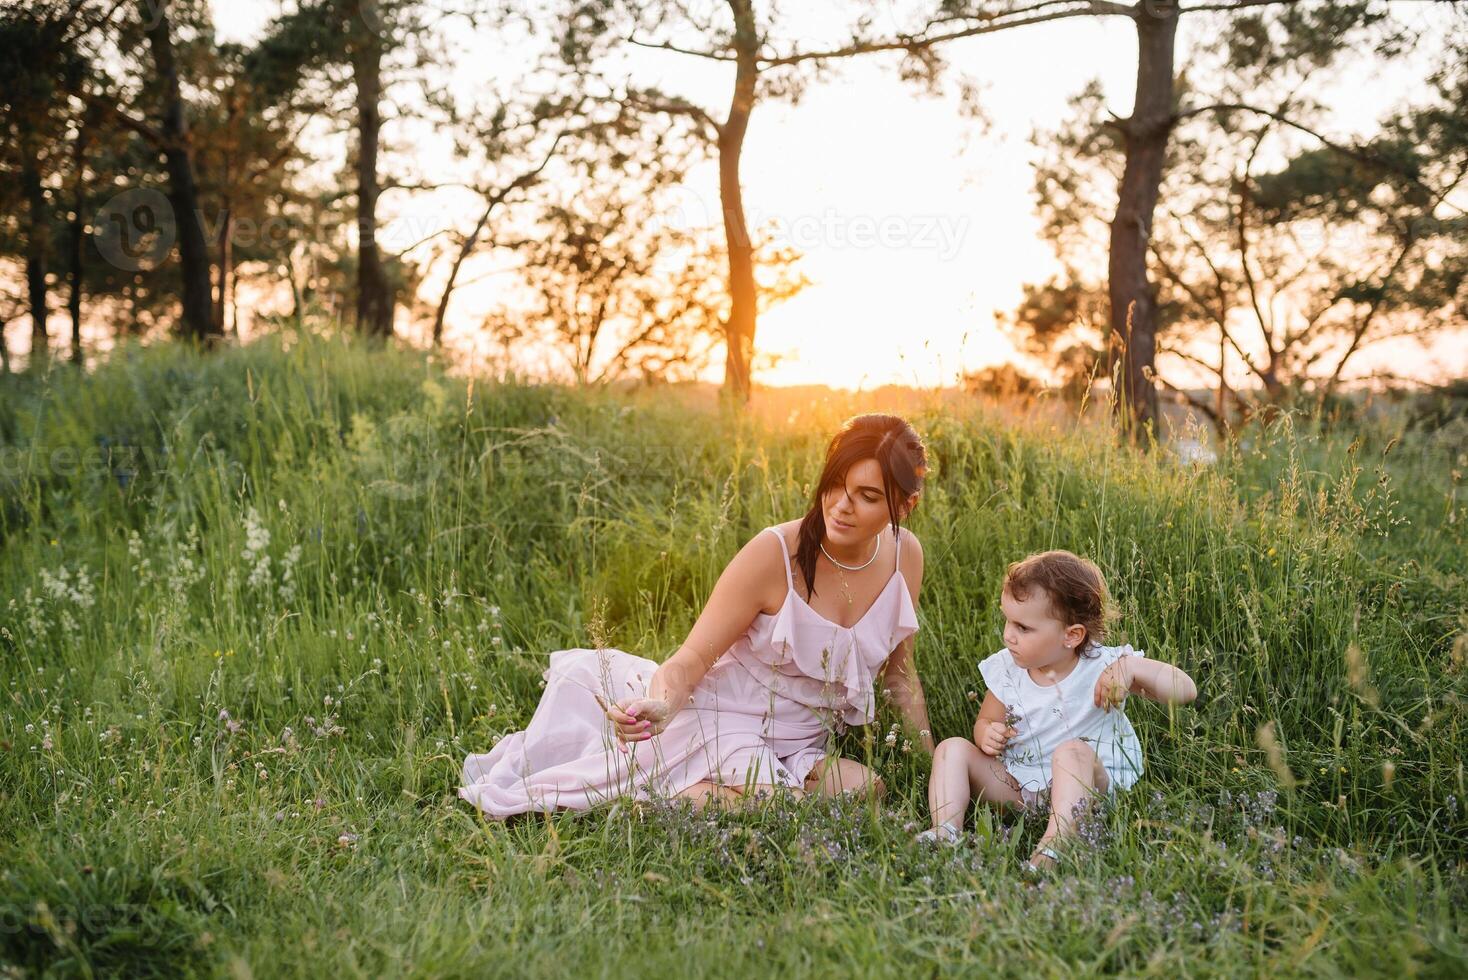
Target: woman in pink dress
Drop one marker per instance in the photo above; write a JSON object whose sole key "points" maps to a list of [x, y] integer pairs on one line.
{"points": [[788, 652]]}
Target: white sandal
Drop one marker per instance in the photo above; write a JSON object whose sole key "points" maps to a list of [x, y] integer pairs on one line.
{"points": [[1033, 868], [944, 833]]}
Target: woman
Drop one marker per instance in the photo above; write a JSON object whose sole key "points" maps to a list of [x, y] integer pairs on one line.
{"points": [[777, 664]]}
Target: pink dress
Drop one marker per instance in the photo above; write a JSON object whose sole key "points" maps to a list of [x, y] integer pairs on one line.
{"points": [[764, 714]]}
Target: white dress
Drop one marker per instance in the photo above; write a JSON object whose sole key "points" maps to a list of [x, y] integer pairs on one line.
{"points": [[1055, 713]]}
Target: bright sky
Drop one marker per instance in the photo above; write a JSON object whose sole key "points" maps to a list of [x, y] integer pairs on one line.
{"points": [[915, 224]]}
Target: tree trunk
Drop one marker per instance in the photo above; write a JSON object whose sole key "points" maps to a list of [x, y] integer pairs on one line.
{"points": [[233, 278], [374, 300], [183, 195], [740, 328], [1133, 303], [465, 250], [38, 241], [225, 246], [298, 310], [77, 240]]}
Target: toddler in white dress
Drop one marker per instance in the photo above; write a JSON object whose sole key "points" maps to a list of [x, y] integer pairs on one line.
{"points": [[1052, 718]]}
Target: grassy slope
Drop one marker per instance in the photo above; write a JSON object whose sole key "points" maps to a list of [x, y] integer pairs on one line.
{"points": [[447, 541]]}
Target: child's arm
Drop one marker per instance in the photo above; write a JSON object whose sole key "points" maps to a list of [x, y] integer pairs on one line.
{"points": [[991, 733], [1140, 675]]}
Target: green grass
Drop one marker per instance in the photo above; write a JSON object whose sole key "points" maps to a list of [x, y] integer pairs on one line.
{"points": [[429, 543]]}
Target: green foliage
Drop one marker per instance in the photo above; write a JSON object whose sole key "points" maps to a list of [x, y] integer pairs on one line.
{"points": [[260, 605]]}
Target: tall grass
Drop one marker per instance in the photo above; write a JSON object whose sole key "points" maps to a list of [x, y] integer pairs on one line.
{"points": [[258, 605]]}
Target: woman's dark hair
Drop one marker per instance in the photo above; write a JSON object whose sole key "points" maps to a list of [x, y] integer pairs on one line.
{"points": [[899, 453]]}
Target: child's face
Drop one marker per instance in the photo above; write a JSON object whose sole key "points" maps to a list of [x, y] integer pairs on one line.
{"points": [[1036, 638]]}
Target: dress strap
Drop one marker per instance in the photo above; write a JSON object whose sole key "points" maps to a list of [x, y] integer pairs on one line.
{"points": [[897, 553], [784, 550]]}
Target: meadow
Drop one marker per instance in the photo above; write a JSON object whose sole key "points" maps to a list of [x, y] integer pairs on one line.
{"points": [[256, 606]]}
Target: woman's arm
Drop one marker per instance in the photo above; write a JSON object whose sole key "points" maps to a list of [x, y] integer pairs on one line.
{"points": [[900, 674], [740, 594]]}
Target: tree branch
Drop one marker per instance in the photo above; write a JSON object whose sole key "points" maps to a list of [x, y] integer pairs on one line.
{"points": [[1355, 154], [138, 126], [1235, 5], [989, 25], [665, 46], [1201, 406], [673, 106]]}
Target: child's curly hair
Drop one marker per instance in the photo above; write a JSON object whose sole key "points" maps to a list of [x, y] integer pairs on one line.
{"points": [[1076, 589]]}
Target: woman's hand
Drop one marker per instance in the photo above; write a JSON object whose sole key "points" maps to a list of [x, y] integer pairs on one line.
{"points": [[1114, 684], [639, 719], [995, 738]]}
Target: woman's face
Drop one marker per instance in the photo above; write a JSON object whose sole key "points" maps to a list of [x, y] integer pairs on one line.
{"points": [[857, 510]]}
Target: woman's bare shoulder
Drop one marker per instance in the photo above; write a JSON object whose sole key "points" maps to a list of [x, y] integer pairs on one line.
{"points": [[760, 566], [761, 555], [790, 531]]}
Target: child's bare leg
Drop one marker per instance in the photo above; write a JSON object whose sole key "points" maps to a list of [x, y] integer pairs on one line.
{"points": [[1076, 774], [961, 772]]}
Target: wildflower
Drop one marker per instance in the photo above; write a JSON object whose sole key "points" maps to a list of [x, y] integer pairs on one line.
{"points": [[347, 840], [223, 715], [973, 695], [257, 539], [46, 744]]}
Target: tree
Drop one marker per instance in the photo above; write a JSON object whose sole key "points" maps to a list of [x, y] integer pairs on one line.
{"points": [[509, 148], [1142, 136], [1270, 279], [1063, 324], [183, 195], [369, 37], [39, 65], [736, 34], [615, 284]]}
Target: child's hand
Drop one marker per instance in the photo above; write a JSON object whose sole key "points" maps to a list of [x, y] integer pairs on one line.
{"points": [[995, 737], [1114, 684]]}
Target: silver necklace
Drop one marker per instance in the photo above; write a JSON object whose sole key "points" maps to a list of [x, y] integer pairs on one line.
{"points": [[853, 568]]}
